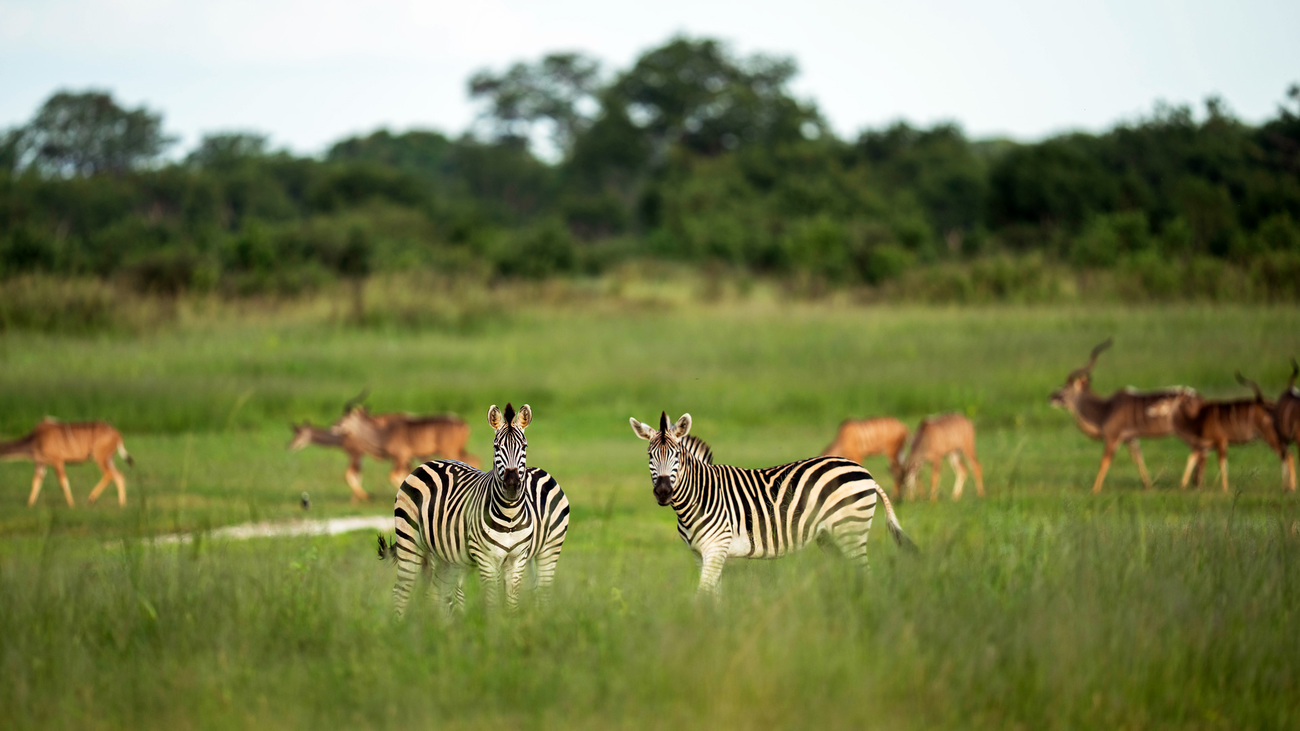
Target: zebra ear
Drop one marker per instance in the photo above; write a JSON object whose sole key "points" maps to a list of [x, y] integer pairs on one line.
{"points": [[525, 417], [682, 427], [642, 430], [495, 420]]}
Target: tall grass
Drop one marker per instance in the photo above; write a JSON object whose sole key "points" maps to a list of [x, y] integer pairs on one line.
{"points": [[1038, 607]]}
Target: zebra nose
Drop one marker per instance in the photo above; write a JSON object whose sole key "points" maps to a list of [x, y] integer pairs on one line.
{"points": [[663, 489], [511, 477]]}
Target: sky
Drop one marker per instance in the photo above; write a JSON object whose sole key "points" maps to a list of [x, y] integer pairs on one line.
{"points": [[308, 73]]}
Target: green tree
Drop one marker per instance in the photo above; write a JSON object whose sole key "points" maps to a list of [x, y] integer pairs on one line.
{"points": [[559, 89], [226, 150], [87, 133]]}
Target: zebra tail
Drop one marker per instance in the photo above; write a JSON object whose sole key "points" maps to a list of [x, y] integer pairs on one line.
{"points": [[388, 550], [895, 530]]}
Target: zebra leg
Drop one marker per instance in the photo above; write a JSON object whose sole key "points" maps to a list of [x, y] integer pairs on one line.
{"points": [[409, 564], [514, 578], [851, 540], [489, 573], [544, 569], [448, 593], [710, 571]]}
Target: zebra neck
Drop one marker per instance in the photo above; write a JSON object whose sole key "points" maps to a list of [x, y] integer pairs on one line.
{"points": [[688, 497], [499, 506]]}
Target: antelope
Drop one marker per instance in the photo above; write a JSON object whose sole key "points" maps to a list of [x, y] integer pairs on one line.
{"points": [[945, 435], [1206, 425], [1286, 417], [1124, 416], [404, 438], [305, 434], [55, 443], [858, 438]]}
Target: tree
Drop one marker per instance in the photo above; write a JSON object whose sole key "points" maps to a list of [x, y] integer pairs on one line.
{"points": [[559, 89], [696, 94], [87, 133], [225, 150]]}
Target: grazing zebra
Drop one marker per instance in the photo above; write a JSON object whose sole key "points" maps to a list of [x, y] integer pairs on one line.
{"points": [[727, 511], [450, 517]]}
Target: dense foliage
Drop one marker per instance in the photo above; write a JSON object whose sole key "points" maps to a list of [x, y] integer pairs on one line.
{"points": [[693, 154]]}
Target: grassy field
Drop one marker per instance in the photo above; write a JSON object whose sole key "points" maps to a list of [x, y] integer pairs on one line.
{"points": [[1040, 606]]}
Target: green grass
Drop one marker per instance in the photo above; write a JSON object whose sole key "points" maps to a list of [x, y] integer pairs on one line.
{"points": [[1039, 607]]}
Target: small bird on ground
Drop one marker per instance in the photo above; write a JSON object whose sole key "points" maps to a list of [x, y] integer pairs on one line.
{"points": [[306, 501]]}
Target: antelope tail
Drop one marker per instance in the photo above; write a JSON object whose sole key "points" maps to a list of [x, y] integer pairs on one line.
{"points": [[895, 529], [121, 452], [1259, 395], [387, 549]]}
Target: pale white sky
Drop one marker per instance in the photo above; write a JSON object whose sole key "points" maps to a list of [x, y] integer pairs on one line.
{"points": [[310, 72]]}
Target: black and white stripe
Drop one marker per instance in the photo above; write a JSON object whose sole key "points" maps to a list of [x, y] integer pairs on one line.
{"points": [[450, 517], [725, 511]]}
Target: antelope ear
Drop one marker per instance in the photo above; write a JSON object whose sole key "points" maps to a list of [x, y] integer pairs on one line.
{"points": [[524, 417], [682, 427], [495, 420], [641, 430]]}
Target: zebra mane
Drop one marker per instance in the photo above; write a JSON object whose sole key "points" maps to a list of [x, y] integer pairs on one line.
{"points": [[697, 448]]}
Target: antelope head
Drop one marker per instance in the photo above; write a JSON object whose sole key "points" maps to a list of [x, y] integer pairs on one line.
{"points": [[301, 436], [1079, 381]]}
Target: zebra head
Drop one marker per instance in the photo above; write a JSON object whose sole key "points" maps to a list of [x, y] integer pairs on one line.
{"points": [[509, 447], [665, 452]]}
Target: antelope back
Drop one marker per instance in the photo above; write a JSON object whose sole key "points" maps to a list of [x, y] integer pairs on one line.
{"points": [[939, 435]]}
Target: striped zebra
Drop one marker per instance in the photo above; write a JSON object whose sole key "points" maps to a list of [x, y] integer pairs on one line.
{"points": [[725, 511], [450, 517]]}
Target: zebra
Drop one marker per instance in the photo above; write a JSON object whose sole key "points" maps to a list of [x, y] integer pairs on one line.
{"points": [[450, 517], [725, 511]]}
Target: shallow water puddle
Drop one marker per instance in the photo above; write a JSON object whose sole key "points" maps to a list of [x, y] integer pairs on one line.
{"points": [[326, 527]]}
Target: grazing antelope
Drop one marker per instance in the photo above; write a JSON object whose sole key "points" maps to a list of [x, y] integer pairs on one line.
{"points": [[945, 435], [55, 443], [1206, 425], [1124, 416], [404, 438], [305, 434], [1286, 417], [724, 512], [859, 438]]}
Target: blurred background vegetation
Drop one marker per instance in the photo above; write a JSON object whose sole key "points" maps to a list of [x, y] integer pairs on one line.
{"points": [[694, 156]]}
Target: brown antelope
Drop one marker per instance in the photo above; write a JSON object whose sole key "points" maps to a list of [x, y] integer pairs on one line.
{"points": [[404, 438], [945, 435], [55, 443], [1206, 425], [305, 434], [1286, 417], [1124, 416], [858, 438]]}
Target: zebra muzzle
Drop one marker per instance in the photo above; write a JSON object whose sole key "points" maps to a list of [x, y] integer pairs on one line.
{"points": [[511, 480], [663, 489]]}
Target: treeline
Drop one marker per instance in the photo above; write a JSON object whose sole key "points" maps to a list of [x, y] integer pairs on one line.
{"points": [[693, 154]]}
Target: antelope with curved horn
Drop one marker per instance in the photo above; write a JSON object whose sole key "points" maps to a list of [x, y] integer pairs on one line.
{"points": [[305, 434], [54, 443], [1124, 416], [1206, 425], [1286, 417]]}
